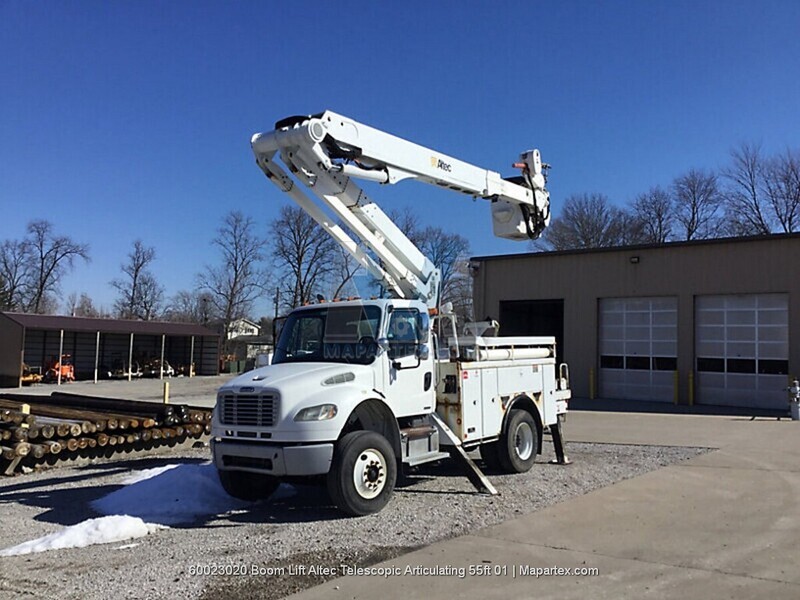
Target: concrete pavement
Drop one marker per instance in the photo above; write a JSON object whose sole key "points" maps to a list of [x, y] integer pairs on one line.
{"points": [[722, 525]]}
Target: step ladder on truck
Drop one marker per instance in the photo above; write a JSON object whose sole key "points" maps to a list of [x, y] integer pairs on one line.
{"points": [[359, 390]]}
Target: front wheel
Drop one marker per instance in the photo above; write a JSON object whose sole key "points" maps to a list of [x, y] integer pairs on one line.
{"points": [[248, 486], [519, 443], [363, 473]]}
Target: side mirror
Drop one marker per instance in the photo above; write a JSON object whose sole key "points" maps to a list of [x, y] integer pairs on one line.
{"points": [[423, 352], [383, 345]]}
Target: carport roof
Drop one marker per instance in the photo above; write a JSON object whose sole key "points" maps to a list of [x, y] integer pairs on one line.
{"points": [[54, 322]]}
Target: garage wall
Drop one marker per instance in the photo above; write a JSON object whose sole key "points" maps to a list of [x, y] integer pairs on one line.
{"points": [[749, 266]]}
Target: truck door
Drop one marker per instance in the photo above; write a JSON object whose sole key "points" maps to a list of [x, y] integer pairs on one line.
{"points": [[410, 376]]}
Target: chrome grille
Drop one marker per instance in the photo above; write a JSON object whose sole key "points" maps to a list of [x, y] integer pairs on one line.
{"points": [[253, 410]]}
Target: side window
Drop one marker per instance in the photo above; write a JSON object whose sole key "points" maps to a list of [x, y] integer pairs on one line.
{"points": [[404, 333]]}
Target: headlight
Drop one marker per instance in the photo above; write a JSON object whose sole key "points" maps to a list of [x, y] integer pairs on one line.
{"points": [[322, 412]]}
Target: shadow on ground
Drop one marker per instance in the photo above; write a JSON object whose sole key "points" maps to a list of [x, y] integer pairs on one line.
{"points": [[643, 406]]}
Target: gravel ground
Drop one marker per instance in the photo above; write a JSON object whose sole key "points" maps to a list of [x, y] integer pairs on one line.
{"points": [[301, 528]]}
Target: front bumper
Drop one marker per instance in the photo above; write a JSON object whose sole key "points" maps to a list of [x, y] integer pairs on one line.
{"points": [[269, 459]]}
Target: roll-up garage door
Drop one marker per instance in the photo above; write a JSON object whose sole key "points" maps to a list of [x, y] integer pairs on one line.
{"points": [[638, 348], [742, 349]]}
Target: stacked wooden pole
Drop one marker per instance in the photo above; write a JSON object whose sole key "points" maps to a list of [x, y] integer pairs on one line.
{"points": [[36, 429]]}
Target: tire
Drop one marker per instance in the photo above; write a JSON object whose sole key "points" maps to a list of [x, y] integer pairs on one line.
{"points": [[519, 443], [248, 486], [490, 456], [363, 473]]}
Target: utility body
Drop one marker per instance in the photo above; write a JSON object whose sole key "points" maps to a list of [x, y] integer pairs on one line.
{"points": [[360, 390]]}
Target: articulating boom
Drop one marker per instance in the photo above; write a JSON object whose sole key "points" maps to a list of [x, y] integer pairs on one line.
{"points": [[326, 151]]}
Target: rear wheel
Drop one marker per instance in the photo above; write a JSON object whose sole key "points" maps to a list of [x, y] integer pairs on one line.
{"points": [[363, 473], [248, 486], [519, 443]]}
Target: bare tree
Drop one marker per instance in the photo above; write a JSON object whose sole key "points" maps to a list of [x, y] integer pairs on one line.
{"points": [[15, 273], [140, 295], [71, 303], [782, 187], [447, 251], [697, 204], [190, 307], [589, 221], [4, 294], [82, 306], [343, 269], [654, 212], [408, 222], [746, 210], [51, 257], [151, 297], [459, 291], [234, 284], [302, 251]]}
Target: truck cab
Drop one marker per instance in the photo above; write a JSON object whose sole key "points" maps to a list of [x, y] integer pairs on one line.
{"points": [[338, 367]]}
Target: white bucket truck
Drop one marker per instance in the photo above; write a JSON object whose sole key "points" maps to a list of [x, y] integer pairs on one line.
{"points": [[358, 390]]}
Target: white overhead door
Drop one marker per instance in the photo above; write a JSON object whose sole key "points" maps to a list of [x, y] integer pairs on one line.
{"points": [[638, 348], [742, 349]]}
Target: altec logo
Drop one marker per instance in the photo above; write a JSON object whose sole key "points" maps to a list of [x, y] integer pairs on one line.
{"points": [[438, 163]]}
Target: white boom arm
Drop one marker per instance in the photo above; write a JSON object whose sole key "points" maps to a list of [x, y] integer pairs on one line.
{"points": [[326, 151]]}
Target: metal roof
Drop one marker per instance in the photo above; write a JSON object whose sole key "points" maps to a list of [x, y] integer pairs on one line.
{"points": [[56, 323], [728, 240]]}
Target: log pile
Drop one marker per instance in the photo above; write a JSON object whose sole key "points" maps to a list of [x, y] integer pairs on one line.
{"points": [[36, 430]]}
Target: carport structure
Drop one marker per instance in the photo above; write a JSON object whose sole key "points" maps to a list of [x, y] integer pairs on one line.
{"points": [[95, 345]]}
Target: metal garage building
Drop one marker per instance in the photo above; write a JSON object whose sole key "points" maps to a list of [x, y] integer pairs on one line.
{"points": [[97, 343], [712, 322]]}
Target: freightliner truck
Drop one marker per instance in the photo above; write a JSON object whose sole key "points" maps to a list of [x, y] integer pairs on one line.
{"points": [[359, 391]]}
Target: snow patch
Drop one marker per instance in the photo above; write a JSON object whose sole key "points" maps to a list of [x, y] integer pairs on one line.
{"points": [[149, 500], [171, 495], [103, 530]]}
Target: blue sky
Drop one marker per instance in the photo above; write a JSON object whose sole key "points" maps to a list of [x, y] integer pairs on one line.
{"points": [[126, 120]]}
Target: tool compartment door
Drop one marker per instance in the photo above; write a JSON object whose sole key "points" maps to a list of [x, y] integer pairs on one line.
{"points": [[516, 379], [491, 405], [471, 406]]}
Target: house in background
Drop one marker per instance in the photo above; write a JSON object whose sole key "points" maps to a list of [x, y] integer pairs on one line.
{"points": [[244, 344], [241, 327]]}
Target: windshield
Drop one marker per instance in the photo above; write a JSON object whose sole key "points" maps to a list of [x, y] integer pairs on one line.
{"points": [[340, 334]]}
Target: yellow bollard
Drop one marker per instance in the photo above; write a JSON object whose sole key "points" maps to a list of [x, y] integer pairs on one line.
{"points": [[675, 391], [691, 388], [166, 392]]}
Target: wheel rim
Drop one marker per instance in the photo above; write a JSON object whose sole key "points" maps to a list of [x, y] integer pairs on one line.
{"points": [[369, 474], [523, 441]]}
